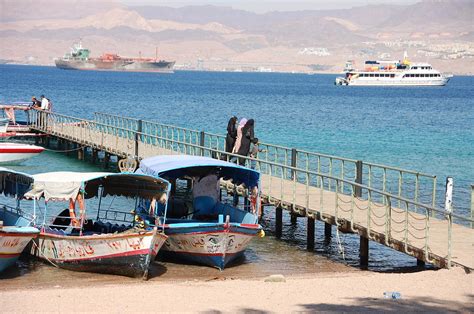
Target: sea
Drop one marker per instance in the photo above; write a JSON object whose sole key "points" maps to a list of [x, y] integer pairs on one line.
{"points": [[427, 129]]}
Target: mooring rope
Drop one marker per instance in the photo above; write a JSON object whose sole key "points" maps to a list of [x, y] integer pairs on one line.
{"points": [[63, 151], [34, 243]]}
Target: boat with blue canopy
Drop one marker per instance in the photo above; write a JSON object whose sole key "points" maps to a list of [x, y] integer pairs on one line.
{"points": [[16, 229], [203, 225], [104, 239]]}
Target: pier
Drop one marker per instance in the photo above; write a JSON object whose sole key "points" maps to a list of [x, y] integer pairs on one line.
{"points": [[388, 205]]}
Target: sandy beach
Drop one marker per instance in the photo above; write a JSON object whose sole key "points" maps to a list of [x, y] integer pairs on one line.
{"points": [[362, 291]]}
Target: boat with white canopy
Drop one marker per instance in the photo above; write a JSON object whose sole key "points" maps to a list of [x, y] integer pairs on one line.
{"points": [[105, 239], [203, 225]]}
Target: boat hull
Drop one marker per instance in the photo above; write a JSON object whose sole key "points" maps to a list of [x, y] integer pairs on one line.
{"points": [[11, 153], [209, 244], [13, 241], [127, 254], [118, 65]]}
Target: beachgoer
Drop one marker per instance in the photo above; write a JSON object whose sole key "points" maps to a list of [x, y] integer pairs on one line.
{"points": [[231, 134], [238, 139], [254, 152], [247, 139]]}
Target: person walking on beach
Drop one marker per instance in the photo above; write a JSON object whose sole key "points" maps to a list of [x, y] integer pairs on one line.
{"points": [[231, 135], [238, 139], [247, 138]]}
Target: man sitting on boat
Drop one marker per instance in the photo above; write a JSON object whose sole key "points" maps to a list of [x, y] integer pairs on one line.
{"points": [[205, 194]]}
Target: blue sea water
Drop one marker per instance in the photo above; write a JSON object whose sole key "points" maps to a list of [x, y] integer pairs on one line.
{"points": [[428, 129]]}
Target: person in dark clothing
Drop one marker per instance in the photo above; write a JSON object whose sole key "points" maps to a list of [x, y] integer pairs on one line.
{"points": [[248, 136], [231, 135], [35, 103]]}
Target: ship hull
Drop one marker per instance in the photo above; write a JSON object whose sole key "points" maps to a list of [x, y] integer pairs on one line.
{"points": [[117, 65]]}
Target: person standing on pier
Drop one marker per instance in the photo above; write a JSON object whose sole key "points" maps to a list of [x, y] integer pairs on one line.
{"points": [[238, 139], [44, 103], [248, 136], [231, 135]]}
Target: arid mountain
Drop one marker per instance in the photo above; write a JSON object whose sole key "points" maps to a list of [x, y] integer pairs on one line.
{"points": [[216, 38]]}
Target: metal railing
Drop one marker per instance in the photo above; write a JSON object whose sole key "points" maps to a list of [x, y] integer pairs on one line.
{"points": [[391, 219], [420, 187]]}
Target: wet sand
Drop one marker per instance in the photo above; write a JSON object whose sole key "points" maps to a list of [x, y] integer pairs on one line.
{"points": [[353, 291]]}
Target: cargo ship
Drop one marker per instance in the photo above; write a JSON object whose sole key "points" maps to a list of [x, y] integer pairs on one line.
{"points": [[79, 59], [393, 73]]}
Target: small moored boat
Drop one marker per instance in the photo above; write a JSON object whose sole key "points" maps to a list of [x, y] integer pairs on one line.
{"points": [[203, 226], [11, 153], [15, 228], [113, 241]]}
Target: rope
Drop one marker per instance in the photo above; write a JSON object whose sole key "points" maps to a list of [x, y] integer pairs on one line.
{"points": [[34, 243], [64, 151]]}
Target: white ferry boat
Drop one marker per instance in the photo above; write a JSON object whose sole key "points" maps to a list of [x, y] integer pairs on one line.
{"points": [[393, 73]]}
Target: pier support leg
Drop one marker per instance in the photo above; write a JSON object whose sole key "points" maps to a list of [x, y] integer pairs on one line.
{"points": [[310, 234], [106, 160], [94, 155], [68, 148], [327, 231], [364, 252], [293, 218], [420, 263], [278, 221], [81, 153], [46, 141]]}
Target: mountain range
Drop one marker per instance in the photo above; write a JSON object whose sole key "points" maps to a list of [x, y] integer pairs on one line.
{"points": [[217, 38]]}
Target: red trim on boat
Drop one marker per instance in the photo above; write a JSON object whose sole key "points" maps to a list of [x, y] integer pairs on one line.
{"points": [[21, 150], [129, 253], [9, 255], [13, 234], [211, 232]]}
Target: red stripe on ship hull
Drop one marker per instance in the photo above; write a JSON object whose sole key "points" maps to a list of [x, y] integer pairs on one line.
{"points": [[130, 253]]}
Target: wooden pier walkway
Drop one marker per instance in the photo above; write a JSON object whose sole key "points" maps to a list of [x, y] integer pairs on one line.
{"points": [[298, 182]]}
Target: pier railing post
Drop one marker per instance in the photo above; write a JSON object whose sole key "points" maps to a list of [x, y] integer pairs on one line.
{"points": [[202, 141], [137, 136], [293, 162], [358, 179]]}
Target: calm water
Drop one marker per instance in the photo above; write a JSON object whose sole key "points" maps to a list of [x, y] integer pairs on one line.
{"points": [[426, 129]]}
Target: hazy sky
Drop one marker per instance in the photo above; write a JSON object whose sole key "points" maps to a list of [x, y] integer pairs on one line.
{"points": [[271, 5]]}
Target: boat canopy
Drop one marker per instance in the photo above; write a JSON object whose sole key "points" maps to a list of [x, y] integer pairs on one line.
{"points": [[178, 166], [13, 183], [67, 185]]}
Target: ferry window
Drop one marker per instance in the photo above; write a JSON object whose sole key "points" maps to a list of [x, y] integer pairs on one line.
{"points": [[392, 75], [417, 75], [371, 75], [376, 75], [414, 68], [431, 75]]}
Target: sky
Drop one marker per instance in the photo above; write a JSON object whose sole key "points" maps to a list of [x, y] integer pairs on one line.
{"points": [[261, 6]]}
